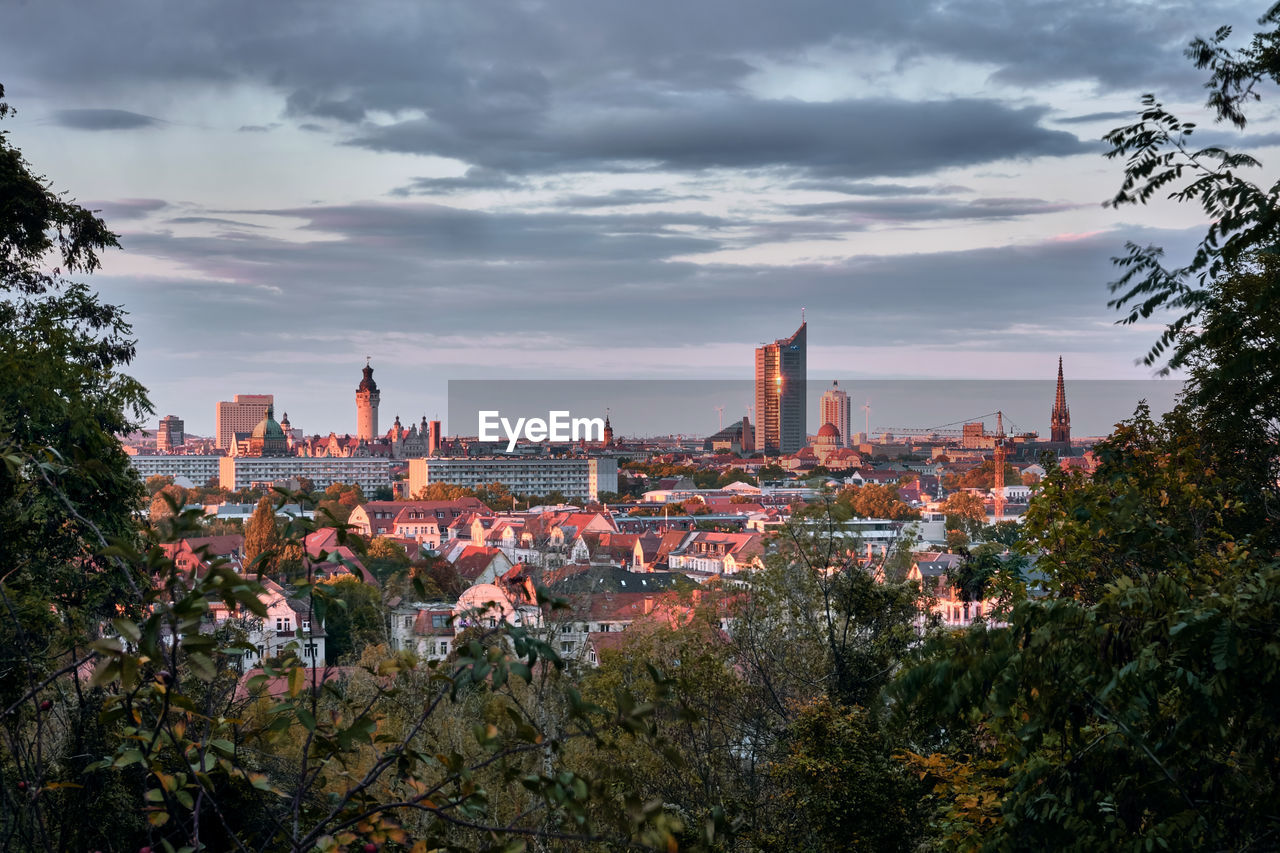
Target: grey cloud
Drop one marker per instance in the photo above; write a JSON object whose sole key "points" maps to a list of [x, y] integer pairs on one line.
{"points": [[946, 298], [126, 208], [475, 178], [461, 58], [866, 188], [925, 209], [209, 220], [855, 138], [624, 198], [1118, 115], [102, 119]]}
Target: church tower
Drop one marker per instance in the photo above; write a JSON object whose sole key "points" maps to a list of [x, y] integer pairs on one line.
{"points": [[367, 398], [1060, 419], [608, 431]]}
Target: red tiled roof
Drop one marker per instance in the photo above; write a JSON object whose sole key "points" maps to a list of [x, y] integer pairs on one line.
{"points": [[474, 559]]}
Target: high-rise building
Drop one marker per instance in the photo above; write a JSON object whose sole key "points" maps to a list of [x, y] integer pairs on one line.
{"points": [[780, 395], [367, 399], [834, 408], [433, 438], [1060, 418], [242, 414], [171, 434]]}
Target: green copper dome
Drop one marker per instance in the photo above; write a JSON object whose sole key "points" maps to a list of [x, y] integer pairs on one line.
{"points": [[267, 428]]}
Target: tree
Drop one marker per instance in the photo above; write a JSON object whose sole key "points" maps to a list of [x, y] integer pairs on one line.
{"points": [[839, 787], [262, 540], [772, 472], [67, 491], [385, 558], [156, 482], [877, 501], [353, 618], [1160, 158], [965, 511], [443, 492]]}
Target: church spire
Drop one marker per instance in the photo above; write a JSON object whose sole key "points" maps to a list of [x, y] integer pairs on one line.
{"points": [[1060, 419]]}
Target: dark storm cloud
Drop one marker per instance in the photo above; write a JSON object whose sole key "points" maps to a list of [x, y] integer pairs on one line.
{"points": [[925, 209], [102, 119], [862, 138]]}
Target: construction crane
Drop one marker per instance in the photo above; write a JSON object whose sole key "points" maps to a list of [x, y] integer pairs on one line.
{"points": [[998, 461]]}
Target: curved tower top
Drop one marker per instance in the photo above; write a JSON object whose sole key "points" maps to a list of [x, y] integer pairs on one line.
{"points": [[367, 399]]}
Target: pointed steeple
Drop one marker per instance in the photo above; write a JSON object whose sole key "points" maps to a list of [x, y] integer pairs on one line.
{"points": [[1060, 418]]}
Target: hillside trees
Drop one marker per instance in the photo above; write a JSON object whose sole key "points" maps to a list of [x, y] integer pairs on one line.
{"points": [[1130, 709], [66, 491]]}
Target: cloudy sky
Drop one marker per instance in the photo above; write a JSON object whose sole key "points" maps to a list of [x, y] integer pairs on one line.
{"points": [[598, 189]]}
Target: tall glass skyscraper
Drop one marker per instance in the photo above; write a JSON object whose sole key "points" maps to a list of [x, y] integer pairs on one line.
{"points": [[780, 395]]}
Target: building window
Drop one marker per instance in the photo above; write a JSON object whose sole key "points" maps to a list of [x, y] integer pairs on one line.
{"points": [[408, 622], [311, 650], [566, 648], [306, 624]]}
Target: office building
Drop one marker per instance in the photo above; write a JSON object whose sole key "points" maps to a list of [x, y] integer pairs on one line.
{"points": [[171, 434], [834, 408], [780, 395], [241, 415]]}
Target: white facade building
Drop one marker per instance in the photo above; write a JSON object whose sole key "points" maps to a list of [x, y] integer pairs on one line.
{"points": [[197, 469], [574, 477], [242, 472]]}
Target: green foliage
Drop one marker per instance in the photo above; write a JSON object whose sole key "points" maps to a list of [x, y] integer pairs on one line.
{"points": [[1141, 719], [1161, 159], [1166, 498], [839, 787], [262, 540], [385, 557], [354, 618]]}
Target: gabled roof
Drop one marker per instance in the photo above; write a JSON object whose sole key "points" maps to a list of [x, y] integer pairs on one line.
{"points": [[472, 561]]}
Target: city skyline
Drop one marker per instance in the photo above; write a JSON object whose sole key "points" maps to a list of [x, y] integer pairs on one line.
{"points": [[622, 193]]}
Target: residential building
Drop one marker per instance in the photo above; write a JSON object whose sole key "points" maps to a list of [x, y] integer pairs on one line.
{"points": [[242, 414], [198, 469], [780, 395], [243, 472], [574, 477]]}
